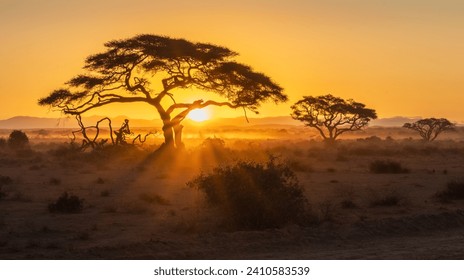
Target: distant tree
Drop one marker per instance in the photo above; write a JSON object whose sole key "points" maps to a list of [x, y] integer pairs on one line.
{"points": [[18, 139], [331, 115], [430, 128], [150, 69]]}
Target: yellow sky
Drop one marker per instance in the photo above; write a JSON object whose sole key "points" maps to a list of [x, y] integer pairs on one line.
{"points": [[400, 57]]}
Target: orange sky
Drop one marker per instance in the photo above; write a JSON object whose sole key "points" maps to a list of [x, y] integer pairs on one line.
{"points": [[400, 57]]}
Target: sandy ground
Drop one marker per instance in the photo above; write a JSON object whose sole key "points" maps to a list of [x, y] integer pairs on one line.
{"points": [[138, 209]]}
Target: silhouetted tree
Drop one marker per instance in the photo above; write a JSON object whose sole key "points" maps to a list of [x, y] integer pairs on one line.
{"points": [[92, 141], [18, 139], [430, 128], [331, 115], [149, 68]]}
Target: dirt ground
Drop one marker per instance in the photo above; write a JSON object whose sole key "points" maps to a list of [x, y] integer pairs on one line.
{"points": [[139, 208]]}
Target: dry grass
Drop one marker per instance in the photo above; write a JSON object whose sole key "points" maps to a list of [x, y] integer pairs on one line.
{"points": [[134, 199]]}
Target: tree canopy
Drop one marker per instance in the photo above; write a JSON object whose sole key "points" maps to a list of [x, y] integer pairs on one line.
{"points": [[149, 68], [430, 128], [331, 115]]}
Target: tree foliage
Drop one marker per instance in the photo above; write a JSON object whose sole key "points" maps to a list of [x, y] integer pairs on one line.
{"points": [[430, 128], [253, 195], [331, 115], [18, 139], [150, 68]]}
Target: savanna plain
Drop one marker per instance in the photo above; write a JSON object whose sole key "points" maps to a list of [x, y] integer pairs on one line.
{"points": [[377, 194]]}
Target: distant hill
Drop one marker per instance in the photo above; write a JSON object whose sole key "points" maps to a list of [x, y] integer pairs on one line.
{"points": [[393, 122], [26, 122], [23, 122]]}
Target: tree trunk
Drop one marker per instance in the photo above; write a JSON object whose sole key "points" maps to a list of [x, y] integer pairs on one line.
{"points": [[168, 134], [178, 136]]}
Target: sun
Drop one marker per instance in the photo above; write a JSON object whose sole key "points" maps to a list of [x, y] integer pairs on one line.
{"points": [[199, 115]]}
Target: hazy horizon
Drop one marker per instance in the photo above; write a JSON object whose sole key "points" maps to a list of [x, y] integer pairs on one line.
{"points": [[33, 122]]}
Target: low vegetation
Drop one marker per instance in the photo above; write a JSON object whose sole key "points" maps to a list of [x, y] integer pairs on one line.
{"points": [[153, 199], [253, 195], [235, 191], [2, 193], [4, 180], [18, 140], [454, 191], [386, 200], [2, 143], [66, 204], [387, 166]]}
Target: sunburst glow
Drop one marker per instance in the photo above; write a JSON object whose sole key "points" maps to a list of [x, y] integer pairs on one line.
{"points": [[199, 115]]}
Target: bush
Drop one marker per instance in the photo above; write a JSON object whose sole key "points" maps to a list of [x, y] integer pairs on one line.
{"points": [[66, 204], [387, 166], [388, 198], [153, 199], [18, 140], [254, 196], [348, 204], [54, 181], [105, 193], [454, 191], [4, 180], [213, 143], [2, 193], [2, 142]]}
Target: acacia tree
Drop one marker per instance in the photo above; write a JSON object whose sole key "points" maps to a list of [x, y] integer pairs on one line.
{"points": [[430, 128], [331, 115], [150, 68]]}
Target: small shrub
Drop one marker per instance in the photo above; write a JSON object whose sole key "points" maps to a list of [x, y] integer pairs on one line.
{"points": [[348, 204], [19, 196], [110, 209], [153, 199], [83, 236], [387, 166], [3, 193], [2, 142], [213, 143], [66, 204], [105, 193], [326, 211], [18, 140], [454, 191], [135, 208], [387, 199], [5, 180], [54, 181], [254, 196]]}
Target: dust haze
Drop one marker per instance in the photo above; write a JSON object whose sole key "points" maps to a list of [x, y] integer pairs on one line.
{"points": [[380, 193]]}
